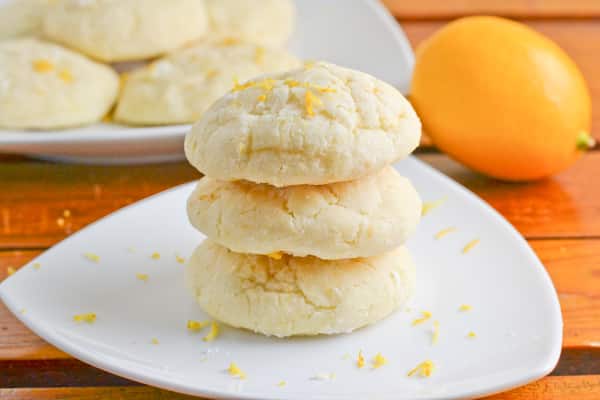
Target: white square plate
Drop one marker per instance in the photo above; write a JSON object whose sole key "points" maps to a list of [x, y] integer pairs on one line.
{"points": [[515, 315], [359, 34]]}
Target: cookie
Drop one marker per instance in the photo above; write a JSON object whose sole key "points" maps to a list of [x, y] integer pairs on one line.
{"points": [[180, 87], [264, 22], [298, 295], [21, 17], [124, 30], [359, 218], [314, 125], [45, 86]]}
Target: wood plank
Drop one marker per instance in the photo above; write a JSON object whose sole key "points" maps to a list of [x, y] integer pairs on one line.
{"points": [[436, 9], [580, 39], [566, 205], [35, 195], [584, 387], [574, 266]]}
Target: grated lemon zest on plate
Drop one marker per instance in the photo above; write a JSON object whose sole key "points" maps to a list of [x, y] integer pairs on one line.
{"points": [[155, 256], [444, 232], [360, 361], [310, 101], [37, 265], [234, 370], [425, 317], [43, 66], [180, 259], [281, 383], [154, 341], [436, 332], [10, 270], [277, 255], [195, 326], [425, 369], [92, 257], [379, 361], [90, 318], [471, 335], [142, 277], [469, 246], [66, 76], [214, 332], [429, 206], [464, 307]]}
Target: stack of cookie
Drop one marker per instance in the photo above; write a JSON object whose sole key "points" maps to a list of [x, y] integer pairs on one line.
{"points": [[305, 217]]}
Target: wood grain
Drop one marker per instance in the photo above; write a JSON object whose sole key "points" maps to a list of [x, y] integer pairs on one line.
{"points": [[583, 387], [580, 39], [574, 266]]}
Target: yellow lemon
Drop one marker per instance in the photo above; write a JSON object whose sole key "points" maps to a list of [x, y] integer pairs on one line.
{"points": [[501, 98]]}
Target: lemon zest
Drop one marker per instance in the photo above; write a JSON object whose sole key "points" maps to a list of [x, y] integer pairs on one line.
{"points": [[425, 317], [469, 246], [310, 101], [90, 318], [214, 332], [436, 332], [234, 370], [154, 341], [180, 259], [379, 361], [92, 257], [360, 361], [65, 75], [464, 307], [276, 255], [424, 369], [281, 383], [471, 335], [444, 232], [142, 277], [429, 206], [42, 66], [262, 98], [37, 265], [155, 256], [196, 326]]}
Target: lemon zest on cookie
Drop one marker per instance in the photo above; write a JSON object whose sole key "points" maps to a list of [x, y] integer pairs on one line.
{"points": [[214, 332], [66, 76], [276, 255], [90, 318], [444, 232], [425, 317], [310, 101], [469, 246], [424, 369], [234, 370], [43, 66], [262, 98], [360, 360], [92, 257], [379, 361], [196, 326], [291, 83]]}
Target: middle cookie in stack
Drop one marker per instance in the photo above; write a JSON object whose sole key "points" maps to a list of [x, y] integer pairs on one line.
{"points": [[304, 215]]}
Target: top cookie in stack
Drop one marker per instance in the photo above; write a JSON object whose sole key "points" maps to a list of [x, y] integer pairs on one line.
{"points": [[305, 216]]}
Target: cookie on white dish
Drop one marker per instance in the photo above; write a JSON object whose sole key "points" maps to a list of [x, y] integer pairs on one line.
{"points": [[124, 30], [314, 125], [44, 86], [359, 218], [298, 295], [265, 22], [180, 87]]}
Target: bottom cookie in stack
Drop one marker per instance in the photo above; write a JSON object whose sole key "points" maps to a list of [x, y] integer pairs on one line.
{"points": [[285, 295]]}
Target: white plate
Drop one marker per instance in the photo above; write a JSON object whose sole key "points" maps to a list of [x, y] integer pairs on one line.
{"points": [[516, 314], [359, 34]]}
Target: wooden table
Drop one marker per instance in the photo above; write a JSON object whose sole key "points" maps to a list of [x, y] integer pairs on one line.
{"points": [[560, 217]]}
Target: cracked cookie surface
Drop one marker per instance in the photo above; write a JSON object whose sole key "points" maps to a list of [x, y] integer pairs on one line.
{"points": [[298, 295], [359, 218], [314, 125]]}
